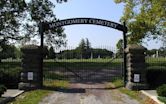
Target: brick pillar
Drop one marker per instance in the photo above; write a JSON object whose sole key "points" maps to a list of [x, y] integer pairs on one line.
{"points": [[136, 67], [30, 75]]}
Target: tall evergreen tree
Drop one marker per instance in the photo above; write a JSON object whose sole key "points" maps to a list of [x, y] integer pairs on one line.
{"points": [[119, 47], [51, 53], [88, 49], [82, 48], [88, 44]]}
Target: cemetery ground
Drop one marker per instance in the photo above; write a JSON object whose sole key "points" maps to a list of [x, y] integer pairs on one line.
{"points": [[36, 96]]}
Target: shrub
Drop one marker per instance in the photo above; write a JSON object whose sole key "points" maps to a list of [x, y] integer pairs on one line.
{"points": [[161, 90], [2, 89], [162, 99], [10, 76], [156, 76]]}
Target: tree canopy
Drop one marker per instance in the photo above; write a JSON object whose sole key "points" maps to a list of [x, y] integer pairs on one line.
{"points": [[20, 20], [84, 51], [10, 12], [144, 18]]}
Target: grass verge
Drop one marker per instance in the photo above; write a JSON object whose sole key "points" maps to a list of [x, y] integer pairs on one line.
{"points": [[162, 99], [118, 83], [31, 97], [56, 83]]}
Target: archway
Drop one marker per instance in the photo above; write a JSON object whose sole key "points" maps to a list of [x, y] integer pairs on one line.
{"points": [[73, 21]]}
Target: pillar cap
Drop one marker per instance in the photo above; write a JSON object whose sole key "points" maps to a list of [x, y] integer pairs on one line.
{"points": [[30, 48], [135, 47]]}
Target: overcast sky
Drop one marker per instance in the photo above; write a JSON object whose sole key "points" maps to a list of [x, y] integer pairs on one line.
{"points": [[98, 36]]}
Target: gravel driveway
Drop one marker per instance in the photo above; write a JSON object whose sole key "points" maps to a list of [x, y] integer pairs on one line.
{"points": [[88, 96]]}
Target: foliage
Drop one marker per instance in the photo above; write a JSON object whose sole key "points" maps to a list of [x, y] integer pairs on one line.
{"points": [[42, 11], [82, 48], [161, 52], [9, 51], [161, 90], [51, 53], [9, 74], [156, 76], [119, 46], [10, 11], [144, 18], [84, 51], [94, 53], [31, 97], [162, 99], [20, 21], [2, 89]]}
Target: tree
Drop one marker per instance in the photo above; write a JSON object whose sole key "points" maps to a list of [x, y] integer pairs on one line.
{"points": [[144, 18], [20, 19], [10, 11], [88, 48], [88, 44], [119, 47], [51, 53], [42, 11], [82, 48], [9, 51]]}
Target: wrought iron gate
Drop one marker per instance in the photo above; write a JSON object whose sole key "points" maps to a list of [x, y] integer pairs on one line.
{"points": [[91, 70]]}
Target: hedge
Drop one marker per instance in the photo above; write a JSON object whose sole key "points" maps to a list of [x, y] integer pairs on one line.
{"points": [[2, 89], [10, 77], [161, 90], [156, 76]]}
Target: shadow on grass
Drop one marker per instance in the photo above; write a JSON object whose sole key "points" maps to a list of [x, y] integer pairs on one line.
{"points": [[76, 90], [65, 90]]}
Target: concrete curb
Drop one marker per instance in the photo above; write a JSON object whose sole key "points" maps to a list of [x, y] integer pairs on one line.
{"points": [[152, 97], [10, 95]]}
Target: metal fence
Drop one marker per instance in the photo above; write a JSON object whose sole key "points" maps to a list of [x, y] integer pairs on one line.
{"points": [[10, 72], [96, 66]]}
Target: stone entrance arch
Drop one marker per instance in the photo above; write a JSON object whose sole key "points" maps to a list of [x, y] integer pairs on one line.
{"points": [[133, 56], [44, 26], [36, 78]]}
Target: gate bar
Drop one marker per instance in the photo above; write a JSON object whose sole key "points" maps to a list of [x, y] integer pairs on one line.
{"points": [[124, 54], [41, 32]]}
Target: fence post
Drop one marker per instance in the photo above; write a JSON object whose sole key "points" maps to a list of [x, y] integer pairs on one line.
{"points": [[30, 76], [136, 67]]}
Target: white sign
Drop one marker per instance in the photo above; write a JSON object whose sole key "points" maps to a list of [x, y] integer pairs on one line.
{"points": [[136, 77], [30, 75]]}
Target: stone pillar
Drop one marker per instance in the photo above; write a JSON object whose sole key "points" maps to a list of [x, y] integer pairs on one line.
{"points": [[136, 67], [31, 64]]}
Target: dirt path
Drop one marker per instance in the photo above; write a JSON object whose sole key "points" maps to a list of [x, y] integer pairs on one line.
{"points": [[89, 96]]}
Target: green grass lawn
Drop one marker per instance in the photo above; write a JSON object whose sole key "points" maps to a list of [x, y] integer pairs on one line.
{"points": [[83, 63], [56, 83], [31, 97], [118, 83]]}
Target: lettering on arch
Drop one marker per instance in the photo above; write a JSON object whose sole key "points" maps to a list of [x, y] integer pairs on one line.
{"points": [[94, 21]]}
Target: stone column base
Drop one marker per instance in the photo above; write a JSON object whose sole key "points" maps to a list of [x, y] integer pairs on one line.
{"points": [[28, 86], [136, 86]]}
